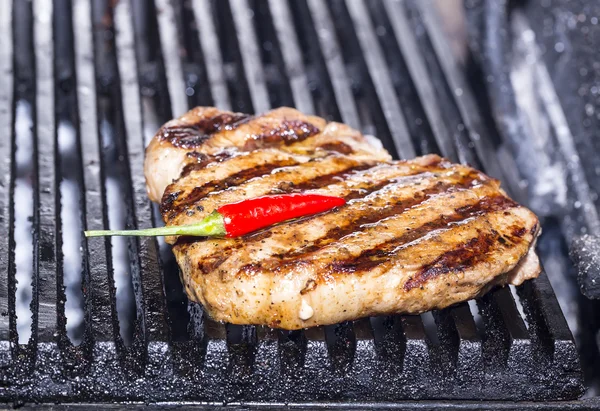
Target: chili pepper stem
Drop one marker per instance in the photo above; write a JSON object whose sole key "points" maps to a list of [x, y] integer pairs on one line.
{"points": [[211, 225]]}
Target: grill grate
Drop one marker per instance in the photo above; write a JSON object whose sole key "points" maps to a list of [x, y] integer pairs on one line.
{"points": [[116, 71]]}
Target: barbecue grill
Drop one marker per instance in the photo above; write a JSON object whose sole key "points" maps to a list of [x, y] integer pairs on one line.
{"points": [[88, 82]]}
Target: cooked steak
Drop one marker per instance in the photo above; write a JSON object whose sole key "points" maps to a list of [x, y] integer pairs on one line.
{"points": [[414, 235]]}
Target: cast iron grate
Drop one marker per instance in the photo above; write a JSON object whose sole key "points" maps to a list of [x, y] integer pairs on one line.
{"points": [[115, 71]]}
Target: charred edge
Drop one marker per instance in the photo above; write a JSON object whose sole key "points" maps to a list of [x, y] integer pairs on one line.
{"points": [[309, 286], [369, 259], [205, 266], [337, 146], [233, 180], [251, 269], [193, 135], [534, 229], [288, 132], [518, 232], [168, 200], [461, 258], [201, 160]]}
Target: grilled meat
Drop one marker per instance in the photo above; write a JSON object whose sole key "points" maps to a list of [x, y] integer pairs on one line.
{"points": [[414, 235]]}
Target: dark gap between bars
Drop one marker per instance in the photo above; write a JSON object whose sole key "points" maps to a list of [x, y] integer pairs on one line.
{"points": [[70, 188]]}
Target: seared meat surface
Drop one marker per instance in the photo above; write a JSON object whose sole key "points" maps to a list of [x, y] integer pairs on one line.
{"points": [[414, 235]]}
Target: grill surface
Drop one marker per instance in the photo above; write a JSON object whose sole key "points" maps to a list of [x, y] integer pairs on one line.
{"points": [[115, 71]]}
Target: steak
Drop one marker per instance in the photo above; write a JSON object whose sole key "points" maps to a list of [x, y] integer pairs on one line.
{"points": [[414, 235]]}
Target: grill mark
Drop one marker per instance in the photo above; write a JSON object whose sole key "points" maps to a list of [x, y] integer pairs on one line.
{"points": [[202, 160], [534, 229], [459, 259], [286, 187], [518, 232], [233, 180], [288, 132], [193, 135], [337, 146], [169, 199], [382, 253]]}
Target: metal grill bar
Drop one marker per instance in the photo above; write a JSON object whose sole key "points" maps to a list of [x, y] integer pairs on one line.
{"points": [[192, 59], [23, 128], [416, 354], [111, 132], [46, 201], [69, 184], [98, 298], [156, 105], [7, 150], [546, 318], [370, 108], [278, 83]]}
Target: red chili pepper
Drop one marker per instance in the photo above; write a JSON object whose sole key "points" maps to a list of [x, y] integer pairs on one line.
{"points": [[236, 219], [250, 215]]}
